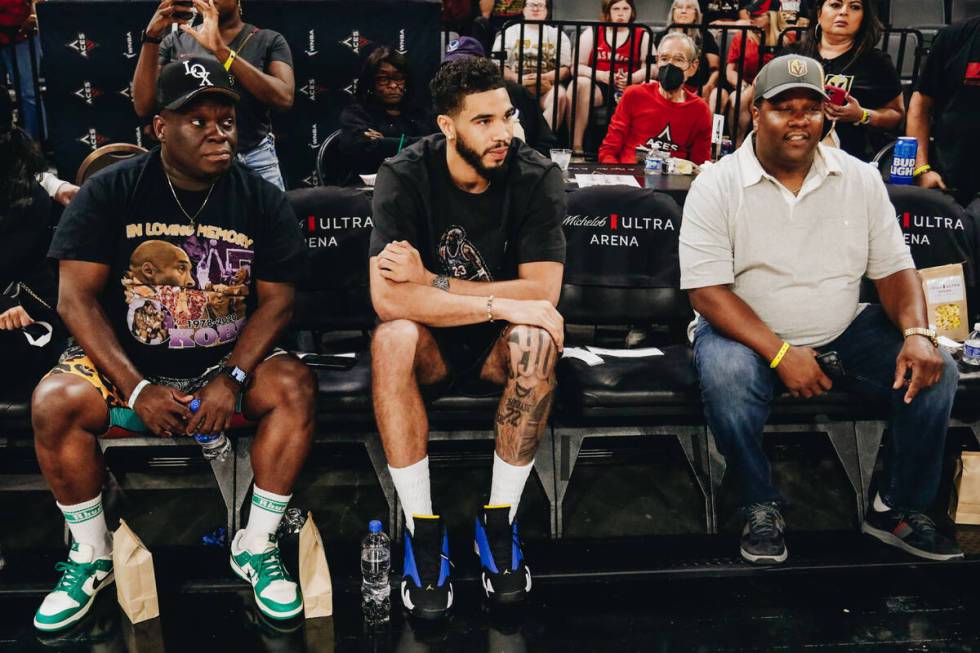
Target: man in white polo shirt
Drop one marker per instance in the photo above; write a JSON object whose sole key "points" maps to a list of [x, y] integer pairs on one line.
{"points": [[773, 246]]}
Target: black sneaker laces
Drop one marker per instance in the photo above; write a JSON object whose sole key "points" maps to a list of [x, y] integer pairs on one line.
{"points": [[763, 520]]}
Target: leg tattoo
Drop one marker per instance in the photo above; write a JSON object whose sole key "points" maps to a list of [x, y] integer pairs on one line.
{"points": [[526, 402]]}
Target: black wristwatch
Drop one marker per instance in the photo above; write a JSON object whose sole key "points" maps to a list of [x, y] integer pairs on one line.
{"points": [[146, 38], [238, 375]]}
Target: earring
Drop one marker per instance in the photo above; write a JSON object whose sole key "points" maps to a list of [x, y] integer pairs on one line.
{"points": [[240, 12]]}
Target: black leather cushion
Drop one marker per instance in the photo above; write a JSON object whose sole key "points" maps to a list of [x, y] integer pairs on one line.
{"points": [[667, 386], [345, 395], [967, 404], [15, 415]]}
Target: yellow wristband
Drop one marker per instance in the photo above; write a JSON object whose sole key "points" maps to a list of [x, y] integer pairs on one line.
{"points": [[774, 363], [865, 117], [231, 57], [921, 170]]}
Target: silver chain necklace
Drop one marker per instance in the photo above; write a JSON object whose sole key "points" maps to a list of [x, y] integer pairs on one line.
{"points": [[191, 218]]}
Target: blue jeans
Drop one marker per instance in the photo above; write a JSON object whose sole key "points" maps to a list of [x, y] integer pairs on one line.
{"points": [[737, 387], [262, 160], [20, 54]]}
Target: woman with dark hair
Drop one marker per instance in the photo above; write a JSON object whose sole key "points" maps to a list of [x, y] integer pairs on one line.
{"points": [[614, 71], [28, 283], [384, 119], [844, 37]]}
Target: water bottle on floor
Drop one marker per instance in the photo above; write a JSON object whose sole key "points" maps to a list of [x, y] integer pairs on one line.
{"points": [[375, 565], [971, 350], [212, 446]]}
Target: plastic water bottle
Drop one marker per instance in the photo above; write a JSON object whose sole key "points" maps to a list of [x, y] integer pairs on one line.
{"points": [[212, 446], [375, 565], [652, 169], [971, 350]]}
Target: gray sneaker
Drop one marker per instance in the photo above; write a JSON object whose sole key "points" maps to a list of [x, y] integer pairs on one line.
{"points": [[762, 537]]}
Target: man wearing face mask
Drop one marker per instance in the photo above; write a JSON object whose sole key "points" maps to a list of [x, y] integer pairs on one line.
{"points": [[662, 115]]}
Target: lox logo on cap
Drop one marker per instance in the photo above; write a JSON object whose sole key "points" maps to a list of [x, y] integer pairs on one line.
{"points": [[797, 67], [198, 71]]}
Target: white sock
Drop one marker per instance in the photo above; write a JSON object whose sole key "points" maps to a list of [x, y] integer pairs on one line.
{"points": [[86, 521], [507, 483], [414, 491], [263, 518], [879, 505]]}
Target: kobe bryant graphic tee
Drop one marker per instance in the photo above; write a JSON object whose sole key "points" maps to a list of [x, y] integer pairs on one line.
{"points": [[179, 293]]}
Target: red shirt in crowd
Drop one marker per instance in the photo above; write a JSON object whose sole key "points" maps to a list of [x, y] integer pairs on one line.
{"points": [[645, 117], [627, 49], [751, 65]]}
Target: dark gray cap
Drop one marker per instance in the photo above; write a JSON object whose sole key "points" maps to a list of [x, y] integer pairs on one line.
{"points": [[786, 73]]}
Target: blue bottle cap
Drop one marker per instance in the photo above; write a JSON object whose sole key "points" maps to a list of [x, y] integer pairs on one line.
{"points": [[374, 526], [195, 404]]}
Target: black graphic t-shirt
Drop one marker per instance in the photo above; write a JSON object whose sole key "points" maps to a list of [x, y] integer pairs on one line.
{"points": [[478, 237], [178, 293], [951, 77]]}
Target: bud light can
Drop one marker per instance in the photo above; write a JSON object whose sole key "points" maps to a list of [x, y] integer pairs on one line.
{"points": [[903, 160]]}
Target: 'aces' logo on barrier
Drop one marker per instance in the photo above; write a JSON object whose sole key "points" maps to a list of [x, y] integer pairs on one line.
{"points": [[355, 41], [93, 139], [87, 93], [311, 89], [82, 45], [352, 89]]}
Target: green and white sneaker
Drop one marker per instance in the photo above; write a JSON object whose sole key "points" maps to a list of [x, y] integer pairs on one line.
{"points": [[83, 577], [277, 595]]}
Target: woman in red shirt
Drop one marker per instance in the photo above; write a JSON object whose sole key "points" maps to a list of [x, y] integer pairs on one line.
{"points": [[595, 51]]}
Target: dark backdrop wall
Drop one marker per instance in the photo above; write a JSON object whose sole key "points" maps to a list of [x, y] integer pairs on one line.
{"points": [[90, 51]]}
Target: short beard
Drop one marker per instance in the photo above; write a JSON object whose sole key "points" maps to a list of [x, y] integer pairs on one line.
{"points": [[473, 158]]}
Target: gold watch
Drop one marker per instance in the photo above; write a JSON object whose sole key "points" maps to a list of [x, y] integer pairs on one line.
{"points": [[919, 331]]}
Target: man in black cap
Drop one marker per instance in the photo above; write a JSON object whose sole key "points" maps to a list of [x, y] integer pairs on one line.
{"points": [[773, 246], [177, 272]]}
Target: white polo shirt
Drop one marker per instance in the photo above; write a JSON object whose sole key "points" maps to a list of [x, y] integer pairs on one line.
{"points": [[797, 261]]}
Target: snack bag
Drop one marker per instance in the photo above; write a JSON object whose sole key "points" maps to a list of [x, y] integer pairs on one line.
{"points": [[945, 290]]}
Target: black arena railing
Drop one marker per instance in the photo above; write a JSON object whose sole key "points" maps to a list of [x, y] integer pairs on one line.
{"points": [[14, 82], [574, 30]]}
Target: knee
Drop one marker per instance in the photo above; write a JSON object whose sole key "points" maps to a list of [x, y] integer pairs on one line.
{"points": [[730, 372], [950, 378], [532, 352], [395, 341], [57, 402]]}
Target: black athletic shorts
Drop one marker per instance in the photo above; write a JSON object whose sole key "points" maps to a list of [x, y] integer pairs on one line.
{"points": [[465, 349]]}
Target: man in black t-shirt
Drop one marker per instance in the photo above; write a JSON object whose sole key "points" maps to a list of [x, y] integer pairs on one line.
{"points": [[177, 272], [946, 105], [467, 256]]}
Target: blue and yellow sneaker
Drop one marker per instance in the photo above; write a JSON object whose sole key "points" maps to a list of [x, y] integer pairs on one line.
{"points": [[82, 578], [277, 595], [504, 576], [426, 590]]}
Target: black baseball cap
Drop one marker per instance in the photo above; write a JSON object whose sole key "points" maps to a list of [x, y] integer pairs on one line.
{"points": [[182, 81]]}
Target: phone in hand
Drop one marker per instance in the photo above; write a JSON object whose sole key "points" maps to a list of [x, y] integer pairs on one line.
{"points": [[836, 95], [185, 9], [830, 363]]}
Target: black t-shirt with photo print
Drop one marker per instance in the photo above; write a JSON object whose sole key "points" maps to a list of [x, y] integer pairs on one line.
{"points": [[180, 292], [951, 77], [477, 237]]}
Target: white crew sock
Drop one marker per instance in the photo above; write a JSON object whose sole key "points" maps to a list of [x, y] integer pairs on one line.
{"points": [[414, 491], [507, 483], [86, 521], [263, 518], [879, 505]]}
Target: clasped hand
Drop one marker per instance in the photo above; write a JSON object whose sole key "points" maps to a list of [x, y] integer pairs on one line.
{"points": [[402, 263], [165, 411]]}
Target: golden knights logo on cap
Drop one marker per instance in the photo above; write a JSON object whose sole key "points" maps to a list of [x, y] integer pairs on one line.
{"points": [[797, 67]]}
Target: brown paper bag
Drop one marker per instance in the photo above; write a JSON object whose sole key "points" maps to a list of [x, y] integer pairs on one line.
{"points": [[945, 291], [136, 585], [964, 506], [314, 574]]}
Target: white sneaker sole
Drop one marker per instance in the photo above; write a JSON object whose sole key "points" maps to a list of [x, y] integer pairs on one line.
{"points": [[61, 625], [885, 537], [272, 614], [765, 560]]}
